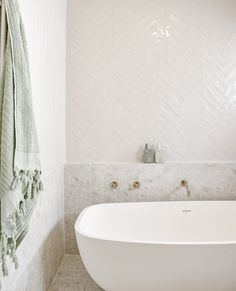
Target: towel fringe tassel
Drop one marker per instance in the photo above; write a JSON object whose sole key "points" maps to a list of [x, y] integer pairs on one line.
{"points": [[30, 184]]}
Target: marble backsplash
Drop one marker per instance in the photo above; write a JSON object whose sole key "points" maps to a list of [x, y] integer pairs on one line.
{"points": [[87, 184]]}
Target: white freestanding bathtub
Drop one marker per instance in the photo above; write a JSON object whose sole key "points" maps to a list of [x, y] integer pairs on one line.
{"points": [[161, 246]]}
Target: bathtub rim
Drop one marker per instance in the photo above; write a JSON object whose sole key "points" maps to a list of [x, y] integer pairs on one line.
{"points": [[80, 232]]}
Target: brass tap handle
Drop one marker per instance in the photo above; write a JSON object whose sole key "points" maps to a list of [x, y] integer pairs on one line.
{"points": [[136, 185], [184, 183], [114, 185]]}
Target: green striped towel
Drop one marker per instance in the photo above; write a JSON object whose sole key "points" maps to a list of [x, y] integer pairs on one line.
{"points": [[20, 168]]}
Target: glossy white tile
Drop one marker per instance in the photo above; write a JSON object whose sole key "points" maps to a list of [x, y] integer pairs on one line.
{"points": [[149, 71]]}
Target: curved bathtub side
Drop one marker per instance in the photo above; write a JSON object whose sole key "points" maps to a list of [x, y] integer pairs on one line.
{"points": [[121, 266]]}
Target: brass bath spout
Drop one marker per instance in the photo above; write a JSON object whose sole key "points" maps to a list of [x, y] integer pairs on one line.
{"points": [[184, 183]]}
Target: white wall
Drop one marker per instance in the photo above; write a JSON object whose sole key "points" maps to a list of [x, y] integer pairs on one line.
{"points": [[149, 71], [42, 249]]}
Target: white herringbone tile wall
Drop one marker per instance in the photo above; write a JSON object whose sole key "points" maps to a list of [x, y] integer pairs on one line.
{"points": [[147, 71]]}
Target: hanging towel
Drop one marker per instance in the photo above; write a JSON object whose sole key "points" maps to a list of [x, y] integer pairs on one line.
{"points": [[20, 169]]}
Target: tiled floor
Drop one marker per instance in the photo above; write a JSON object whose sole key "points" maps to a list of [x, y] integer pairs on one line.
{"points": [[72, 276]]}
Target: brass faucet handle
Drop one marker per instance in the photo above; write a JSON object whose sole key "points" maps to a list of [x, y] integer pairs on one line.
{"points": [[184, 183], [136, 185], [114, 185]]}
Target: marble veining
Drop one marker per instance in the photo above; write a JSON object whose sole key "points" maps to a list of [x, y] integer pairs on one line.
{"points": [[72, 276]]}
